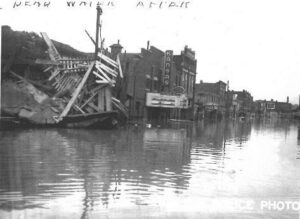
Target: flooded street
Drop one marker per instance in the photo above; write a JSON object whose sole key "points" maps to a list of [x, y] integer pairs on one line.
{"points": [[212, 170]]}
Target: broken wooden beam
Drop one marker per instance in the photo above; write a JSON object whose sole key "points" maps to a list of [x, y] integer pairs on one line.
{"points": [[107, 69], [53, 53], [91, 38], [108, 60], [46, 62], [54, 74], [88, 100], [120, 66]]}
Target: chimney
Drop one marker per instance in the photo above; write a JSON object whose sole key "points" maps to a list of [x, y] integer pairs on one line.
{"points": [[115, 49], [148, 44], [287, 99], [201, 82]]}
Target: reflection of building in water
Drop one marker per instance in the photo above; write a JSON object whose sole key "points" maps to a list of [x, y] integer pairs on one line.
{"points": [[276, 125], [167, 147], [43, 165], [152, 158], [216, 134], [30, 165]]}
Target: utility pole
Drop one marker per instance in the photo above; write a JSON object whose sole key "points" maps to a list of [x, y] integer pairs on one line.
{"points": [[99, 13]]}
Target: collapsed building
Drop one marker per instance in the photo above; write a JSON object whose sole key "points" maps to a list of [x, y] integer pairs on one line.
{"points": [[45, 82]]}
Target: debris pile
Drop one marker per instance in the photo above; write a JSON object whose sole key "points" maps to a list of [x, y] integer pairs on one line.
{"points": [[67, 87]]}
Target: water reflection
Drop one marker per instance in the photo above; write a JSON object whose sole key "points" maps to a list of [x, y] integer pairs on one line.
{"points": [[93, 172]]}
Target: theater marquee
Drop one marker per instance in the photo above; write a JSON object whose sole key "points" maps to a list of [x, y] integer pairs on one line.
{"points": [[166, 101]]}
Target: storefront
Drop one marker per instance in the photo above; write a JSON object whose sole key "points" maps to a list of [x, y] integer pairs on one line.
{"points": [[161, 107]]}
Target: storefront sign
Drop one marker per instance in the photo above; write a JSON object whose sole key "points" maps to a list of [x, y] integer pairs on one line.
{"points": [[167, 68], [166, 101]]}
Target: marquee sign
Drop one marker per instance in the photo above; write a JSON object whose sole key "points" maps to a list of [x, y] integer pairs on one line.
{"points": [[167, 68], [166, 101]]}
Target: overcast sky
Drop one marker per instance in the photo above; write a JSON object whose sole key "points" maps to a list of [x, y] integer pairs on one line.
{"points": [[253, 44]]}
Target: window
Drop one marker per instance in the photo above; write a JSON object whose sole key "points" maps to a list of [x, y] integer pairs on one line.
{"points": [[270, 106]]}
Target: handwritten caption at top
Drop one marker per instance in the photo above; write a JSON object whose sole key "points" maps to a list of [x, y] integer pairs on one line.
{"points": [[110, 3]]}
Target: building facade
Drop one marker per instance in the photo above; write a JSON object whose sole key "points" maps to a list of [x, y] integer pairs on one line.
{"points": [[186, 71], [152, 87], [210, 98], [245, 102], [272, 107]]}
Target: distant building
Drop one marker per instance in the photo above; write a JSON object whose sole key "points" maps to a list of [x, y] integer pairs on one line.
{"points": [[231, 104], [245, 102], [267, 107], [210, 97]]}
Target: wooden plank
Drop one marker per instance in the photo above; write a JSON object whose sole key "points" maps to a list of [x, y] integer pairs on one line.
{"points": [[108, 60], [115, 99], [101, 102], [79, 109], [53, 53], [102, 72], [119, 106], [107, 69], [102, 82], [88, 100], [107, 72], [66, 83], [47, 69], [54, 74], [120, 66], [106, 76], [99, 76], [87, 33], [46, 62], [77, 91], [61, 83]]}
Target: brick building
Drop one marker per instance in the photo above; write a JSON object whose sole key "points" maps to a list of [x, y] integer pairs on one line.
{"points": [[156, 85], [186, 70], [142, 74]]}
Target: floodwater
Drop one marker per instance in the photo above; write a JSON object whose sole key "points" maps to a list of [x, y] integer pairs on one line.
{"points": [[204, 170]]}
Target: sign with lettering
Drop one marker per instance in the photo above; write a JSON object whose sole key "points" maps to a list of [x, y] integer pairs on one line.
{"points": [[167, 69], [166, 101]]}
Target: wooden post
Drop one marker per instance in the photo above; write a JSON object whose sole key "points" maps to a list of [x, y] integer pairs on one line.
{"points": [[99, 12], [108, 98], [101, 100], [77, 91]]}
